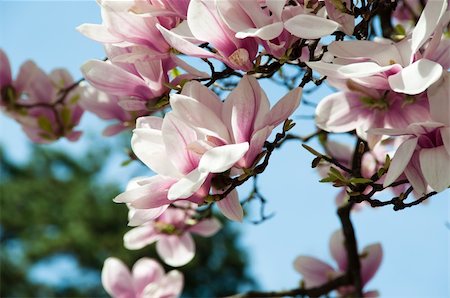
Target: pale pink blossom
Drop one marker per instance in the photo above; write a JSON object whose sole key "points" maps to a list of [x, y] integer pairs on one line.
{"points": [[424, 157], [172, 233], [409, 66], [316, 272], [147, 279], [46, 106]]}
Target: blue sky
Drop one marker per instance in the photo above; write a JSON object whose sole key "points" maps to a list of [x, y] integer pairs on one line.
{"points": [[415, 241]]}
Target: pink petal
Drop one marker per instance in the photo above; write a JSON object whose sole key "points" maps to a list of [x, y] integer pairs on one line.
{"points": [[337, 249], [219, 159], [445, 133], [284, 108], [427, 23], [204, 95], [373, 254], [176, 250], [245, 109], [414, 175], [363, 69], [140, 237], [231, 207], [400, 160], [381, 53], [146, 271], [187, 186], [99, 33], [439, 98], [416, 78], [206, 228], [116, 279], [310, 26], [256, 146], [314, 271], [137, 217], [5, 70], [151, 194], [114, 80], [268, 32], [435, 166]]}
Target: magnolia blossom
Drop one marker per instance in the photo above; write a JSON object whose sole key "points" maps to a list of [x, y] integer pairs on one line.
{"points": [[147, 279], [172, 233], [424, 157], [359, 108], [409, 66], [316, 272], [202, 137], [45, 105]]}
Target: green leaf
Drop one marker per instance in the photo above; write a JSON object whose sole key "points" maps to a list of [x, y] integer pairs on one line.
{"points": [[45, 124], [327, 179], [66, 116], [336, 173], [360, 180], [311, 150]]}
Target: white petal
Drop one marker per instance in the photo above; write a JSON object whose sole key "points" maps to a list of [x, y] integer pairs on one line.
{"points": [[310, 27], [207, 227], [400, 160], [435, 166], [187, 186], [231, 207], [416, 78], [439, 98], [222, 158], [176, 250], [116, 278]]}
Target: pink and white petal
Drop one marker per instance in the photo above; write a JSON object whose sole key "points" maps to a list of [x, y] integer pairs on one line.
{"points": [[173, 282], [371, 294], [284, 108], [268, 32], [140, 237], [439, 99], [445, 134], [137, 217], [188, 185], [414, 175], [114, 129], [219, 159], [310, 26], [206, 228], [380, 53], [114, 80], [276, 7], [427, 23], [99, 33], [176, 250], [152, 193], [335, 113], [416, 78], [198, 115], [400, 160], [364, 69], [370, 262], [338, 251], [146, 271], [256, 146], [435, 166], [116, 279], [188, 68], [184, 44], [231, 207], [204, 95], [326, 69], [315, 272], [150, 122]]}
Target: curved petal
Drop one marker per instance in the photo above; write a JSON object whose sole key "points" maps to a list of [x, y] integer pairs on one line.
{"points": [[176, 250], [337, 249], [315, 272], [204, 95], [137, 217], [146, 271], [284, 107], [206, 228], [439, 98], [231, 207], [370, 261], [99, 33], [416, 78], [116, 279], [435, 166], [268, 32], [188, 185], [310, 26], [414, 175], [400, 160], [140, 237], [222, 158]]}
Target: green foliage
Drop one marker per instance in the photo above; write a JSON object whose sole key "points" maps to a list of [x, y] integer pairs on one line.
{"points": [[51, 207]]}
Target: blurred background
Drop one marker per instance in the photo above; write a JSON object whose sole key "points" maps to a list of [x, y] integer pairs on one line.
{"points": [[58, 222]]}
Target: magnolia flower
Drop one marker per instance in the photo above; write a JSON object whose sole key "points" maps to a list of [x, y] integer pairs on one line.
{"points": [[424, 157], [204, 24], [359, 108], [402, 67], [202, 137], [172, 233], [316, 272], [147, 279], [45, 105]]}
